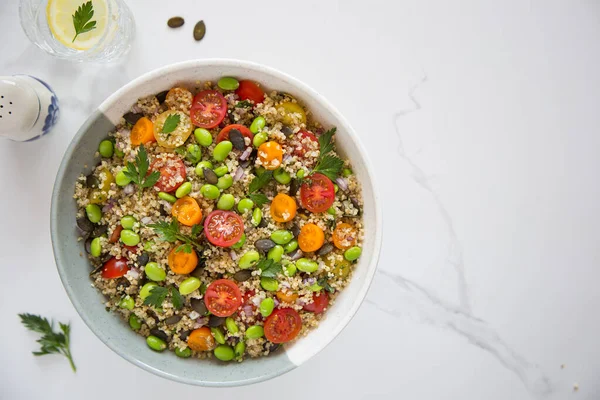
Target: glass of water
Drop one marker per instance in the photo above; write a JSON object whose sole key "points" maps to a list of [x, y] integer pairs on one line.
{"points": [[79, 30]]}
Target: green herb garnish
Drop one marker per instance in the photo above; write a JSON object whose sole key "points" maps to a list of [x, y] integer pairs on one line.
{"points": [[81, 19], [325, 285], [258, 198], [260, 181], [176, 298], [327, 164], [243, 104], [169, 232], [158, 295], [51, 341], [171, 123], [268, 268], [137, 171]]}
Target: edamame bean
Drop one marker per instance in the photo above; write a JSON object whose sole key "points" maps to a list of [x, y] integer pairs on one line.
{"points": [[156, 343], [300, 174], [352, 253], [183, 353], [203, 137], [167, 197], [96, 247], [226, 202], [211, 192], [146, 289], [275, 253], [256, 216], [255, 332], [119, 153], [335, 187], [240, 242], [315, 287], [149, 246], [221, 170], [154, 272], [291, 246], [290, 269], [121, 179], [189, 285], [93, 212], [259, 139], [239, 349], [228, 83], [194, 153], [225, 182], [282, 176], [222, 150], [129, 237], [218, 334], [306, 265], [346, 172], [281, 236], [331, 211], [249, 259], [106, 148], [266, 307], [134, 322], [269, 284], [258, 124], [224, 352], [128, 222], [245, 205], [127, 303], [231, 325], [183, 190], [200, 168]]}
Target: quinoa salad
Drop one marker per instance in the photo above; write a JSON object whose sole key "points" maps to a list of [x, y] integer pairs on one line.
{"points": [[220, 221]]}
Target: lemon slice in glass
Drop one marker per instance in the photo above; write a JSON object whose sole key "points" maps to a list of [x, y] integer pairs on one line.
{"points": [[59, 14]]}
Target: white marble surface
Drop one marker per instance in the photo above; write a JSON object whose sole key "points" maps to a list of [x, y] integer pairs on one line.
{"points": [[482, 120]]}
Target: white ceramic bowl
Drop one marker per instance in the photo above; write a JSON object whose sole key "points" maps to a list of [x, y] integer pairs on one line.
{"points": [[74, 268]]}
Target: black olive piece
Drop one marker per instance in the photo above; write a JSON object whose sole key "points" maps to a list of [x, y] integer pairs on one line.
{"points": [[99, 230], [215, 321], [287, 131], [85, 224], [143, 259], [295, 230], [88, 245], [184, 335], [294, 187], [162, 96], [159, 334], [92, 181], [132, 118]]}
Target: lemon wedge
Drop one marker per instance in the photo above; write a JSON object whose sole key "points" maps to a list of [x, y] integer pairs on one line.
{"points": [[59, 14]]}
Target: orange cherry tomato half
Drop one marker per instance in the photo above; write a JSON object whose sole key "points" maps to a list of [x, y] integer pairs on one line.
{"points": [[249, 90], [344, 236], [319, 304], [223, 228], [180, 262], [222, 297], [224, 134], [317, 193], [172, 173], [287, 297], [142, 132], [270, 155], [201, 339], [302, 143], [283, 208], [187, 211], [209, 108], [283, 325], [311, 238], [115, 268]]}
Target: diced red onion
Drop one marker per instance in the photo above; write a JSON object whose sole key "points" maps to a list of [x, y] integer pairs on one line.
{"points": [[256, 300], [276, 302], [238, 174], [285, 284], [233, 255], [300, 302], [123, 132], [167, 206], [246, 153], [108, 206], [298, 255], [200, 322], [129, 189], [193, 315], [133, 273], [309, 281], [146, 220], [248, 310], [287, 158], [342, 183]]}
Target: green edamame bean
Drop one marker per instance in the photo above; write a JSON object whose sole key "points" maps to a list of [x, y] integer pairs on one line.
{"points": [[155, 343], [211, 192], [129, 237], [200, 167], [222, 150], [352, 253], [266, 307], [256, 216], [154, 272], [228, 83], [221, 170], [255, 332], [315, 287], [335, 187], [218, 334], [128, 222], [167, 197], [146, 289], [259, 139], [239, 349], [149, 246], [203, 137], [269, 284], [245, 205], [93, 212], [96, 247], [183, 190], [119, 153], [193, 154], [106, 148], [291, 246], [290, 269], [240, 242], [225, 182], [249, 259], [231, 325], [331, 211], [275, 253], [226, 202], [189, 285], [300, 174], [134, 322], [183, 353], [282, 176], [224, 352], [121, 179], [127, 302], [257, 125], [306, 265], [281, 236], [346, 172]]}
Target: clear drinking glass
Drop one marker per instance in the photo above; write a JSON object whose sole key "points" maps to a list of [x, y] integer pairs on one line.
{"points": [[110, 41]]}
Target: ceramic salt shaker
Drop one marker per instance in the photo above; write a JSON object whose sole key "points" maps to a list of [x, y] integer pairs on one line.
{"points": [[28, 108]]}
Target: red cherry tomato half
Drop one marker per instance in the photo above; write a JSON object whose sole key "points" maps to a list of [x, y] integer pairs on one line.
{"points": [[301, 148], [222, 297], [209, 108], [115, 268], [224, 134], [283, 325], [317, 193], [319, 304], [223, 228], [249, 90], [172, 173]]}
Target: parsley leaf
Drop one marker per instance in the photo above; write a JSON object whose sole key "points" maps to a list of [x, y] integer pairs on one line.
{"points": [[258, 198], [326, 141], [157, 296], [325, 284], [269, 268], [260, 181], [243, 104], [137, 172], [176, 298], [51, 341], [186, 248], [197, 229], [169, 232], [82, 17], [171, 123], [330, 166]]}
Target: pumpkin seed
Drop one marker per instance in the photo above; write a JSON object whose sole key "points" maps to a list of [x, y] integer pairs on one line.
{"points": [[237, 140], [325, 249], [173, 320], [159, 334], [210, 176], [132, 118], [242, 275], [199, 306], [264, 244], [175, 22], [214, 321], [199, 30], [287, 131]]}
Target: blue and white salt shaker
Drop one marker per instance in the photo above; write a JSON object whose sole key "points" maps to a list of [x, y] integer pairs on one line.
{"points": [[28, 108]]}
